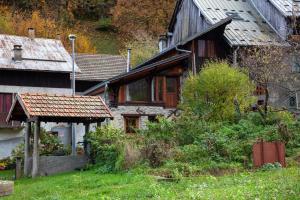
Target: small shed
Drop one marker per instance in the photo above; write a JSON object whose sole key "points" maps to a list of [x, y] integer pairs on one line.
{"points": [[37, 108]]}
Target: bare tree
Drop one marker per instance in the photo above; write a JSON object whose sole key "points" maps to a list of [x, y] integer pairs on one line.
{"points": [[269, 66]]}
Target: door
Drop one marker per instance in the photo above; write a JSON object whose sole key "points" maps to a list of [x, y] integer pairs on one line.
{"points": [[171, 92]]}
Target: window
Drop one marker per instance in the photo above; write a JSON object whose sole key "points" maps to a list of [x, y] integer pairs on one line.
{"points": [[152, 118], [138, 91], [171, 85], [159, 89], [293, 101], [131, 124], [296, 63], [5, 104]]}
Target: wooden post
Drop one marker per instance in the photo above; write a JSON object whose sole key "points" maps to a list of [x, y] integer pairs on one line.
{"points": [[35, 156], [18, 169], [26, 148], [85, 144]]}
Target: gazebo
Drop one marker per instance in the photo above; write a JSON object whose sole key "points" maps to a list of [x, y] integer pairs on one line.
{"points": [[37, 108]]}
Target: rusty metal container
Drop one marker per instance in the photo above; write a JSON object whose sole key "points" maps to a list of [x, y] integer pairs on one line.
{"points": [[268, 152]]}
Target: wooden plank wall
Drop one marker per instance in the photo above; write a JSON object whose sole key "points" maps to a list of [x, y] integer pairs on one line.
{"points": [[189, 22], [273, 15]]}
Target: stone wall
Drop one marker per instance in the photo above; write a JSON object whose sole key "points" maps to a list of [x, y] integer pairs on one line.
{"points": [[142, 111], [49, 165]]}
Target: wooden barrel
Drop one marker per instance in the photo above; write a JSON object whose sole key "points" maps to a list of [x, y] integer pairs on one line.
{"points": [[6, 188]]}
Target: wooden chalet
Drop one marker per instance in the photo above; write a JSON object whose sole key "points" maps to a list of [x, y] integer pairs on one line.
{"points": [[199, 30]]}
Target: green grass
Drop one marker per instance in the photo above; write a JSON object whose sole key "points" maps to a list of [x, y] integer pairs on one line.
{"points": [[279, 184], [7, 174]]}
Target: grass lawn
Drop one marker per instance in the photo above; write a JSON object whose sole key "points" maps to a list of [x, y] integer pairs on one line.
{"points": [[279, 184], [7, 174]]}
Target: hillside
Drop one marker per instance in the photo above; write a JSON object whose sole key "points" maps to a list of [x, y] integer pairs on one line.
{"points": [[102, 26]]}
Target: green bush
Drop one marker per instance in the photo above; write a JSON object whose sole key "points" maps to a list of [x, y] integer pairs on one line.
{"points": [[218, 93], [106, 144]]}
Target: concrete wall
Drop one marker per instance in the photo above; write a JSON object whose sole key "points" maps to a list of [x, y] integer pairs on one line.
{"points": [[9, 139], [49, 165]]}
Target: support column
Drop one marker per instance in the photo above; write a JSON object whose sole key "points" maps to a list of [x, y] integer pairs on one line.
{"points": [[74, 152], [27, 148], [85, 144], [35, 156]]}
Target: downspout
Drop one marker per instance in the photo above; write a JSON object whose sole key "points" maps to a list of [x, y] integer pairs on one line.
{"points": [[235, 56], [193, 57], [182, 50], [297, 101]]}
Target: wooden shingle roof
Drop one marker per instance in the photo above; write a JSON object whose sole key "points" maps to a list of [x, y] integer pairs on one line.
{"points": [[99, 67], [57, 108]]}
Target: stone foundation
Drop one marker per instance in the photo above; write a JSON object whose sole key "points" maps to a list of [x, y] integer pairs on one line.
{"points": [[142, 111], [6, 188]]}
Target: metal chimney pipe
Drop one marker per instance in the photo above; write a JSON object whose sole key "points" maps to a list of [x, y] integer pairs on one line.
{"points": [[31, 33], [58, 36], [128, 59], [72, 38], [17, 53]]}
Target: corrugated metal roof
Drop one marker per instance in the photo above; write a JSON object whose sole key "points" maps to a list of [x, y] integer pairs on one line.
{"points": [[247, 27], [287, 7], [39, 54], [100, 67]]}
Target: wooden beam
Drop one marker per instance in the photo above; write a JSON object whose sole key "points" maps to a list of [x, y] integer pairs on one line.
{"points": [[27, 148], [35, 156], [85, 144]]}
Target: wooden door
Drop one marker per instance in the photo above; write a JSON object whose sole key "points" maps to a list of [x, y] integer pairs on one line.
{"points": [[171, 92]]}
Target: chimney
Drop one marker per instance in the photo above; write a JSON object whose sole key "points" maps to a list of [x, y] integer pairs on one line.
{"points": [[128, 59], [162, 43], [17, 53], [31, 33], [58, 36]]}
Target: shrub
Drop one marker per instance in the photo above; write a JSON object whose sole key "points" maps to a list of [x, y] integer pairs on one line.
{"points": [[105, 145], [218, 93]]}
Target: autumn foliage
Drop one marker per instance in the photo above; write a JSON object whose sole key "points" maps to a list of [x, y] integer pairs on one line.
{"points": [[45, 27], [150, 16]]}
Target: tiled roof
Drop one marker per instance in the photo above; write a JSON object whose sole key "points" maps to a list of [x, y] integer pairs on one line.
{"points": [[287, 7], [39, 54], [54, 106], [99, 67], [247, 27]]}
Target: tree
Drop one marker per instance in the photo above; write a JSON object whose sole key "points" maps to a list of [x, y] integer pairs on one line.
{"points": [[218, 92], [142, 47], [150, 16], [270, 67]]}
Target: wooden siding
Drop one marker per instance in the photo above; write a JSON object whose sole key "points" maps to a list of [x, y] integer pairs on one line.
{"points": [[273, 16], [188, 22], [35, 79]]}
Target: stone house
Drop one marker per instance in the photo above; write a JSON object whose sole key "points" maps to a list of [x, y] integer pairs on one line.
{"points": [[199, 30]]}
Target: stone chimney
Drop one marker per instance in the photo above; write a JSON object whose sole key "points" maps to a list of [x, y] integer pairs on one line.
{"points": [[128, 59], [58, 36], [31, 33], [17, 53], [162, 43]]}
